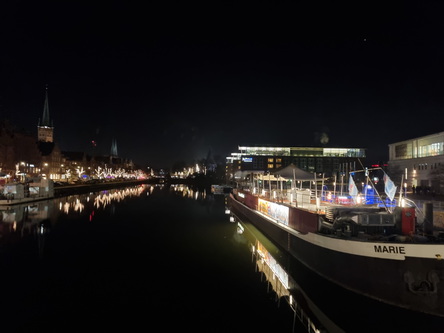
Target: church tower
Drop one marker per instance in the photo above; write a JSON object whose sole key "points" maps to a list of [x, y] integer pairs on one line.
{"points": [[114, 149], [45, 130]]}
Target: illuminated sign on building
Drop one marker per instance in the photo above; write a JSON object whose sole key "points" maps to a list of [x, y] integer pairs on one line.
{"points": [[247, 159]]}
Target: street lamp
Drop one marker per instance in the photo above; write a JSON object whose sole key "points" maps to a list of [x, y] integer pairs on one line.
{"points": [[45, 170]]}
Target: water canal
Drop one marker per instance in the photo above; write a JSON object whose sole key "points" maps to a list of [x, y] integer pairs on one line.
{"points": [[165, 258]]}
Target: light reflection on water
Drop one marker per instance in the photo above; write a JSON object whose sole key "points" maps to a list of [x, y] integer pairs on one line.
{"points": [[317, 303], [272, 264], [168, 247], [27, 218], [148, 256], [38, 218]]}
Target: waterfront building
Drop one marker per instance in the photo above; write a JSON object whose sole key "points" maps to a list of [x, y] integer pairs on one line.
{"points": [[420, 161], [18, 148], [327, 162], [22, 155]]}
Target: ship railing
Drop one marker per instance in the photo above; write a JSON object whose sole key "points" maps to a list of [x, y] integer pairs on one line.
{"points": [[419, 213], [301, 198]]}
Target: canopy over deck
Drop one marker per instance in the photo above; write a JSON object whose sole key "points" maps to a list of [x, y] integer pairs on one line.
{"points": [[293, 172]]}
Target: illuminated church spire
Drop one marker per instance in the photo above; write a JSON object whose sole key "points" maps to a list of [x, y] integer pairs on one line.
{"points": [[45, 119], [114, 149], [44, 128]]}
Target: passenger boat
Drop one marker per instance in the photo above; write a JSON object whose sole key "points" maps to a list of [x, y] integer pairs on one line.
{"points": [[19, 193], [387, 250]]}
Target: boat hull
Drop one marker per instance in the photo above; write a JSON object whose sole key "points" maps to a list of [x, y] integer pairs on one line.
{"points": [[385, 272]]}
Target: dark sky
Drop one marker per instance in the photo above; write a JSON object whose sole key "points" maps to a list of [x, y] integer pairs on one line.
{"points": [[170, 81]]}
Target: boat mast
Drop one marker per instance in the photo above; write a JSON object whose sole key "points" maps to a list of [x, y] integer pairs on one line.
{"points": [[400, 189], [372, 184]]}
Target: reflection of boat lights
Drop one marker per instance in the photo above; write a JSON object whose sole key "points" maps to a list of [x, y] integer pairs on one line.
{"points": [[280, 282], [273, 265], [240, 228]]}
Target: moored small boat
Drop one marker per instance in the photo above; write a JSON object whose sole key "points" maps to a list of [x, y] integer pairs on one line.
{"points": [[18, 193], [220, 189]]}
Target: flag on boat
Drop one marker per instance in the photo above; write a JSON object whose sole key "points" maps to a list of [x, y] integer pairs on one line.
{"points": [[389, 187], [352, 190]]}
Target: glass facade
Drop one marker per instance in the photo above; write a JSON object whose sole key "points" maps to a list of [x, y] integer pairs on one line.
{"points": [[329, 161], [429, 146], [420, 161], [300, 151]]}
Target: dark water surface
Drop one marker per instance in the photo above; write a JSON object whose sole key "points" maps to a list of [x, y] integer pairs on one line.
{"points": [[162, 260], [166, 259]]}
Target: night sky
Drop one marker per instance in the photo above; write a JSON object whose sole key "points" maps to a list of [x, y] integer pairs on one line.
{"points": [[171, 81]]}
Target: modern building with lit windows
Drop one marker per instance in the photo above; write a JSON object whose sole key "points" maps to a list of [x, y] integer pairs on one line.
{"points": [[421, 160], [324, 161]]}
